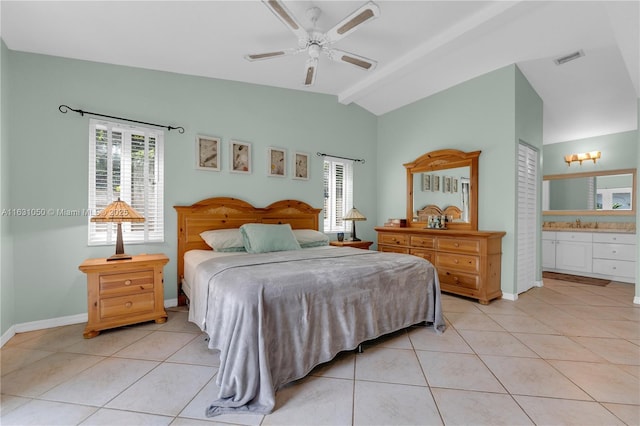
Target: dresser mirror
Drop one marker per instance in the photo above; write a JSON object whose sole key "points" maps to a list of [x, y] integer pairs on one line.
{"points": [[443, 182], [602, 193]]}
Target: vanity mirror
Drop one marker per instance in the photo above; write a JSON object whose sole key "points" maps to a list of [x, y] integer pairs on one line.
{"points": [[446, 181], [602, 193]]}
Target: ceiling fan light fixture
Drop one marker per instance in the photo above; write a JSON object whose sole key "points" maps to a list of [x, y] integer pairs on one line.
{"points": [[570, 57]]}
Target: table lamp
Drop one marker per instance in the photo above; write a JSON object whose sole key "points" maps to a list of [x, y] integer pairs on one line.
{"points": [[354, 215], [118, 212]]}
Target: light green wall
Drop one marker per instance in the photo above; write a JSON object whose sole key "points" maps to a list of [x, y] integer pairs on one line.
{"points": [[7, 294], [49, 152], [479, 114], [637, 194]]}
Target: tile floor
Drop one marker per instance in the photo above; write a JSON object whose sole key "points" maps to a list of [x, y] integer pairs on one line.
{"points": [[561, 354]]}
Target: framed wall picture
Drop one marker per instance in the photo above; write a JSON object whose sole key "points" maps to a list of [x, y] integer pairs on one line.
{"points": [[426, 182], [435, 183], [276, 162], [454, 185], [208, 153], [240, 156], [301, 165], [446, 184]]}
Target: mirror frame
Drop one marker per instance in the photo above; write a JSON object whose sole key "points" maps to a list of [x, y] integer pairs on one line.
{"points": [[631, 212], [441, 160]]}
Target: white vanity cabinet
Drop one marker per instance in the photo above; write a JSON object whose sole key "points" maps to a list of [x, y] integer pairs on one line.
{"points": [[574, 251], [614, 255], [549, 249], [594, 254]]}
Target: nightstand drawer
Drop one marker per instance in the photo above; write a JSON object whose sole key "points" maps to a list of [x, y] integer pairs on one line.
{"points": [[393, 239], [126, 283], [459, 262], [126, 305]]}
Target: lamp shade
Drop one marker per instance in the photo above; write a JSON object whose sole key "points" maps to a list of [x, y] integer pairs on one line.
{"points": [[118, 212], [354, 214]]}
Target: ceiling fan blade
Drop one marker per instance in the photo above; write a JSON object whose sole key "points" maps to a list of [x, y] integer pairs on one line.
{"points": [[351, 58], [281, 11], [352, 22], [269, 55], [311, 67]]}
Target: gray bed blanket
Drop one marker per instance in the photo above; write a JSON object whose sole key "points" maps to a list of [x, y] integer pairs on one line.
{"points": [[275, 316]]}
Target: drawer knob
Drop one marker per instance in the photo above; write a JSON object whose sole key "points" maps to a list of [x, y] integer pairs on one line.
{"points": [[456, 261], [127, 282], [456, 245], [614, 252], [455, 279], [128, 305]]}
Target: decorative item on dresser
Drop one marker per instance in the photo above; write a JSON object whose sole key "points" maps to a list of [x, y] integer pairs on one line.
{"points": [[468, 262], [124, 292]]}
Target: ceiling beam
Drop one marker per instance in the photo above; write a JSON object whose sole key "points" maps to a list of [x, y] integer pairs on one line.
{"points": [[405, 62]]}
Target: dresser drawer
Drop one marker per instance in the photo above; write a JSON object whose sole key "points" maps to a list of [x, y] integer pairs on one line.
{"points": [[460, 246], [458, 279], [614, 251], [615, 268], [425, 254], [458, 262], [393, 249], [423, 242], [126, 283], [127, 305], [393, 239]]}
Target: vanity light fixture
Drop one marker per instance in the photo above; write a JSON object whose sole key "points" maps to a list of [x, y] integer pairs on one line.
{"points": [[570, 158]]}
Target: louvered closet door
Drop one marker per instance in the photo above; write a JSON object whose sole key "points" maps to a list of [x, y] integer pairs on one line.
{"points": [[527, 216]]}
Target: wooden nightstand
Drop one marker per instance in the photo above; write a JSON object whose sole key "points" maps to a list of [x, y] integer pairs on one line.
{"points": [[123, 292], [356, 244]]}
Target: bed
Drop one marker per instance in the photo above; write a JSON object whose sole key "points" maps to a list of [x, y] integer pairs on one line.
{"points": [[276, 314]]}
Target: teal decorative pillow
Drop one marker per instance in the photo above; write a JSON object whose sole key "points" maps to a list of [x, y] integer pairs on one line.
{"points": [[263, 238], [308, 238]]}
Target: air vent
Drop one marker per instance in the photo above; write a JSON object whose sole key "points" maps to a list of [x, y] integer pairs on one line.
{"points": [[568, 58]]}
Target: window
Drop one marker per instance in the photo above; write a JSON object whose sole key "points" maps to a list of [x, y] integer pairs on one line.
{"points": [[126, 162], [338, 192]]}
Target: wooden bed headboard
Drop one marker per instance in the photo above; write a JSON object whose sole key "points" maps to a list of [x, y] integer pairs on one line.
{"points": [[225, 213]]}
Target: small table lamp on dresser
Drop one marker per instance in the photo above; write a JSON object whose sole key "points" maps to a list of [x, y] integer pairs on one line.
{"points": [[118, 212], [354, 215]]}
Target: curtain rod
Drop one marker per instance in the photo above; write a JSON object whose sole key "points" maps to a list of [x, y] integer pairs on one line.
{"points": [[319, 154], [64, 109]]}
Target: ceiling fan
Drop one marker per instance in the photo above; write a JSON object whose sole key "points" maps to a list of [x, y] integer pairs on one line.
{"points": [[315, 42]]}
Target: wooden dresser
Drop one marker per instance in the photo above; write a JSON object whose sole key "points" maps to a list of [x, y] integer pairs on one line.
{"points": [[122, 292], [468, 262]]}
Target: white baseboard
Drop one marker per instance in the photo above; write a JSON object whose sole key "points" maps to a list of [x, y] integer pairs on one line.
{"points": [[7, 335], [538, 283], [57, 322], [510, 296], [636, 300]]}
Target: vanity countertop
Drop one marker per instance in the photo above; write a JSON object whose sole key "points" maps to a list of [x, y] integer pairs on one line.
{"points": [[598, 227]]}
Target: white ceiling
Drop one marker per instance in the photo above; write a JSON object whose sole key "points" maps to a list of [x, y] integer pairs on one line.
{"points": [[422, 47]]}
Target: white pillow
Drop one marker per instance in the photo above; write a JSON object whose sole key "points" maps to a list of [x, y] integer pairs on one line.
{"points": [[308, 238], [224, 240]]}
